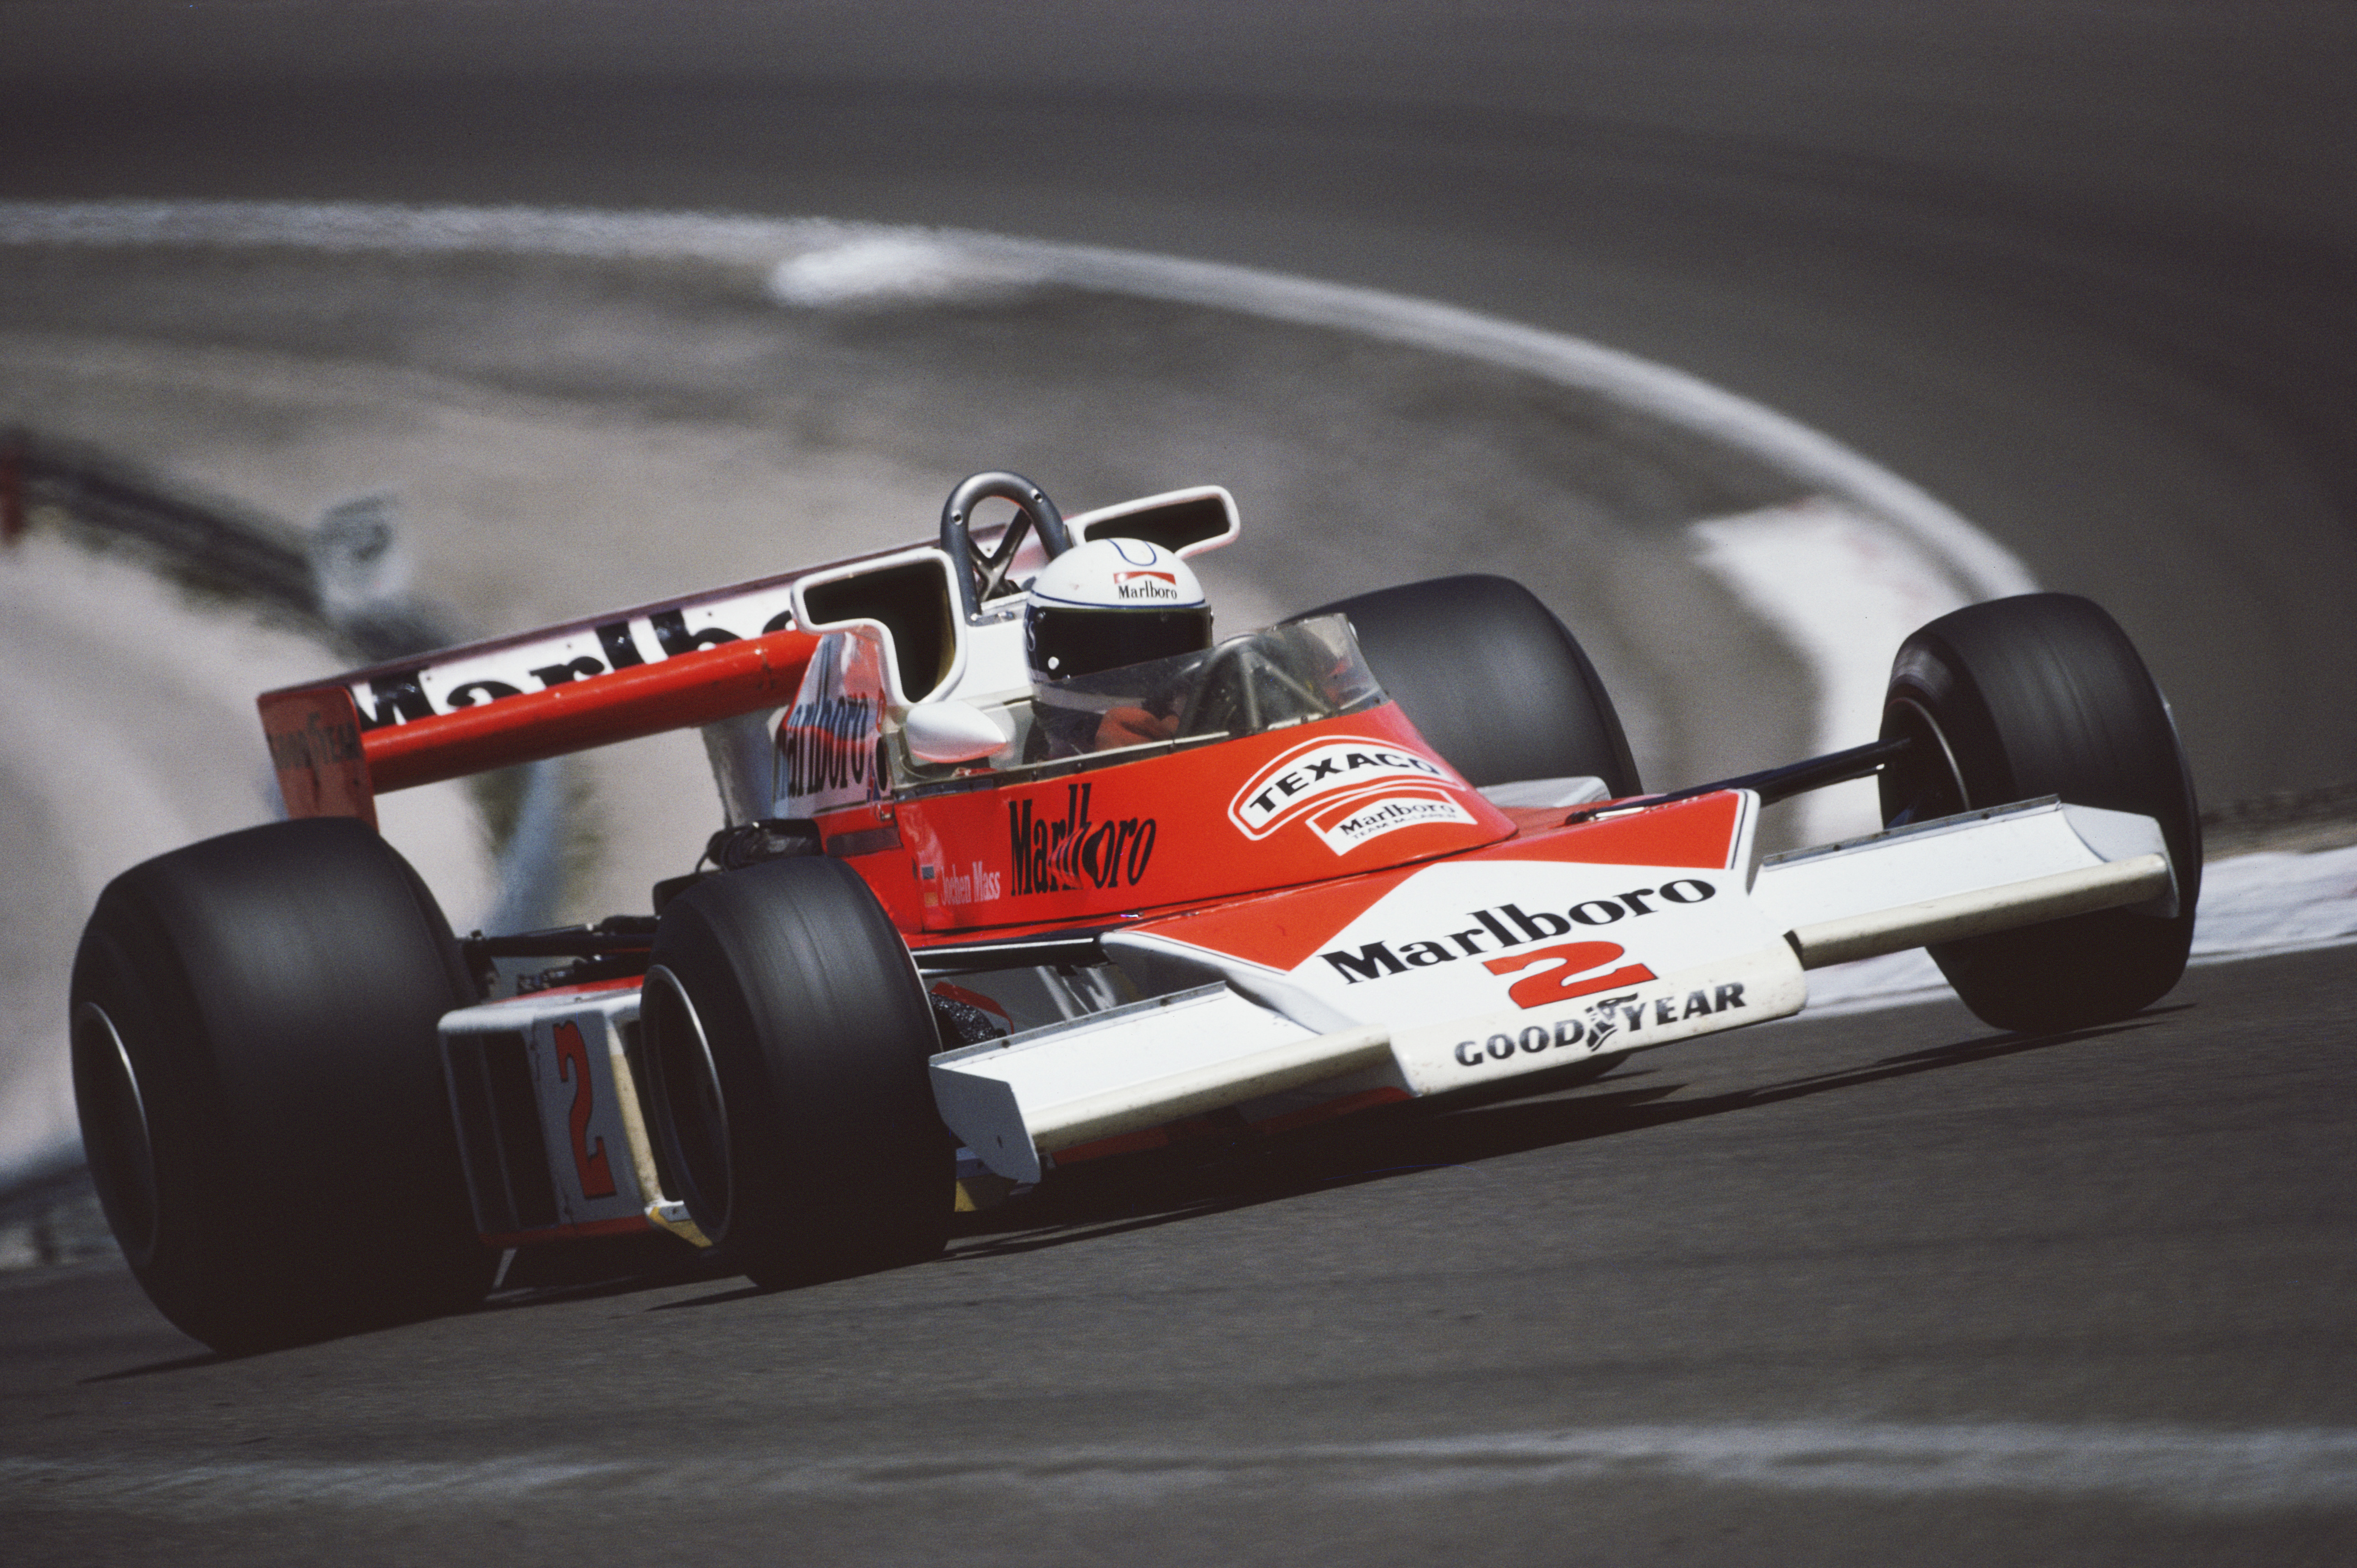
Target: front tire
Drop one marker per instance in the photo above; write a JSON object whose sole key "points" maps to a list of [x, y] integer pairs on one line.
{"points": [[2043, 694], [787, 1037], [261, 1088], [1492, 680]]}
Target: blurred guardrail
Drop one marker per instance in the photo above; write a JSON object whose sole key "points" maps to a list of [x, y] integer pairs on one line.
{"points": [[345, 581], [341, 579]]}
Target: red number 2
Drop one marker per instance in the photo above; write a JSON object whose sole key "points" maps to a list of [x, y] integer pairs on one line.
{"points": [[1565, 960], [589, 1158]]}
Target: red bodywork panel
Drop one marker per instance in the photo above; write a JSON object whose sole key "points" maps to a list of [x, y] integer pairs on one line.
{"points": [[1282, 929], [693, 689], [1291, 880], [1177, 829]]}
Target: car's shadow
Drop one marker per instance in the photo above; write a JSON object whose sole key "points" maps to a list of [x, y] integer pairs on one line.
{"points": [[154, 1369], [1143, 1192], [583, 1271]]}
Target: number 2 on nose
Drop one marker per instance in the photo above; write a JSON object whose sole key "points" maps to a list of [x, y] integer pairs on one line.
{"points": [[1566, 961]]}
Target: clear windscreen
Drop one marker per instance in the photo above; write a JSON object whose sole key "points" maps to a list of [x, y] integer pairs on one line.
{"points": [[1268, 679]]}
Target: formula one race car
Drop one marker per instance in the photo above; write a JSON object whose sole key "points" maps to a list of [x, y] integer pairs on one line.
{"points": [[995, 894]]}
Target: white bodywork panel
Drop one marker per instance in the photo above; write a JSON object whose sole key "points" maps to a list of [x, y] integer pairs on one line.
{"points": [[1386, 1002], [1967, 876], [1131, 1067]]}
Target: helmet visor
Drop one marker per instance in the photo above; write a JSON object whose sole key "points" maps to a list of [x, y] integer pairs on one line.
{"points": [[1080, 642]]}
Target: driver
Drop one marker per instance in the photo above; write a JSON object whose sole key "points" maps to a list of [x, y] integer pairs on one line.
{"points": [[1103, 606]]}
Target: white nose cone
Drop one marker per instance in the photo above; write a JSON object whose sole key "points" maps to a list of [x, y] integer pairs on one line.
{"points": [[1117, 574]]}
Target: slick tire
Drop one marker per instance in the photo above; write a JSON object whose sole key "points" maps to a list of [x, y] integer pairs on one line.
{"points": [[2043, 694], [1492, 680], [261, 1086], [786, 1036]]}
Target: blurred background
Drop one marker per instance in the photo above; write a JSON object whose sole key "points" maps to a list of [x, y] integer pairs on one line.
{"points": [[1750, 335]]}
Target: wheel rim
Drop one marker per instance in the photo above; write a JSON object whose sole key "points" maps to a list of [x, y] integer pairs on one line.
{"points": [[116, 1136], [1924, 783], [691, 1112]]}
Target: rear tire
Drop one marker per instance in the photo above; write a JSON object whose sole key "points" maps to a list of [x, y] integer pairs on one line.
{"points": [[261, 1087], [786, 1037], [1492, 680], [2043, 694]]}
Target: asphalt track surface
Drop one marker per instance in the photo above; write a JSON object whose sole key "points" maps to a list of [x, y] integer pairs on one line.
{"points": [[1932, 1293], [1886, 1287]]}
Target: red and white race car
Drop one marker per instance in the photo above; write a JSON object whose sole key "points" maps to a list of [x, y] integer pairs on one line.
{"points": [[1392, 849]]}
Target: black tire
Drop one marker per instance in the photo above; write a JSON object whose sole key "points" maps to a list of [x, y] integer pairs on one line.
{"points": [[786, 1039], [2043, 694], [1492, 680], [261, 1086]]}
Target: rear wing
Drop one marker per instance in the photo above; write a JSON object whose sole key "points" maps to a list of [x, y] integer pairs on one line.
{"points": [[674, 664]]}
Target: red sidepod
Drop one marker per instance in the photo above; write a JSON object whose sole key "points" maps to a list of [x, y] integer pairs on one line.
{"points": [[1310, 804]]}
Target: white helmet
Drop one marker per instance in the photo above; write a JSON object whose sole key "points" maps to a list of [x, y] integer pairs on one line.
{"points": [[1112, 603]]}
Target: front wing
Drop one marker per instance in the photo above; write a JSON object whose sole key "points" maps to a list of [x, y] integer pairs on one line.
{"points": [[1617, 935]]}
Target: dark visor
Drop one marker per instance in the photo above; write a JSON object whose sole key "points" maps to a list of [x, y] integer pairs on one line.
{"points": [[1068, 642]]}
